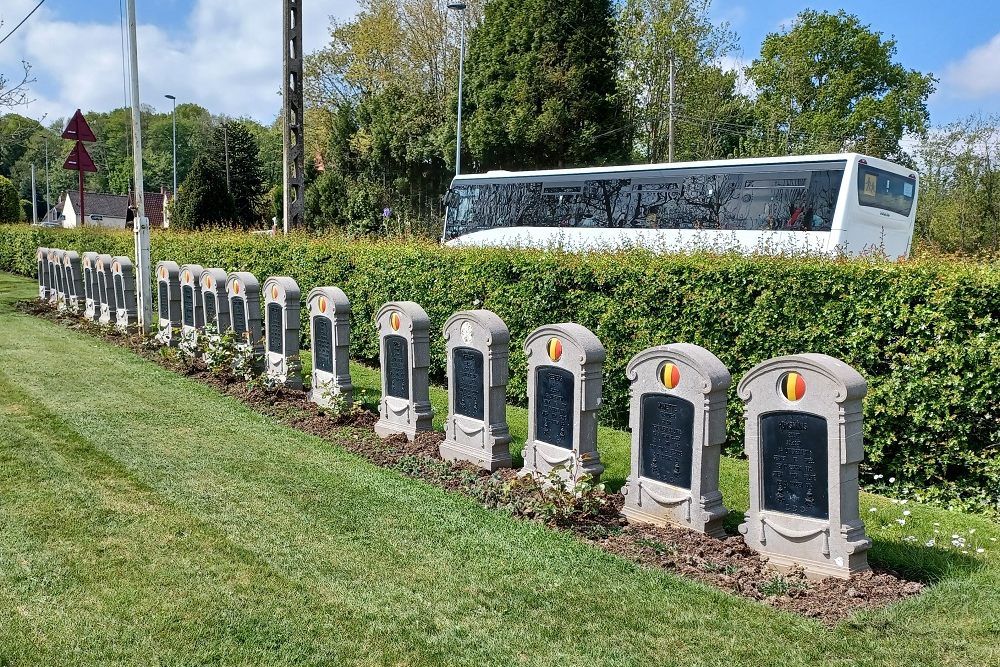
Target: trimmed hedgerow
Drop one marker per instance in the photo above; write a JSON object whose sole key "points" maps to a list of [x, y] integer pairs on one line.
{"points": [[923, 333]]}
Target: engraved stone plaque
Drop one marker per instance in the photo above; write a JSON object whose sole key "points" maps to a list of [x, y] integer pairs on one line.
{"points": [[168, 301], [163, 300], [397, 367], [239, 307], [794, 454], [667, 439], [119, 289], [468, 379], [554, 406], [211, 309], [275, 329], [187, 304], [323, 342]]}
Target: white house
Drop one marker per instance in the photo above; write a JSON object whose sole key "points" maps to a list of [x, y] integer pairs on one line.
{"points": [[111, 211]]}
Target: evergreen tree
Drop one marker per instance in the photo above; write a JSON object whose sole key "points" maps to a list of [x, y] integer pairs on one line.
{"points": [[540, 80], [246, 176], [10, 203], [202, 200]]}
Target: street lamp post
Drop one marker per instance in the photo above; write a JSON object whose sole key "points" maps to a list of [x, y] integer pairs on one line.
{"points": [[459, 6], [174, 100]]}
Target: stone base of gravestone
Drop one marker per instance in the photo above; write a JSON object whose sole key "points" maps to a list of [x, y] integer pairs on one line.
{"points": [[678, 424], [804, 440]]}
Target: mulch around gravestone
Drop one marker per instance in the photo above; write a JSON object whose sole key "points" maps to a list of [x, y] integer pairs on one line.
{"points": [[728, 564]]}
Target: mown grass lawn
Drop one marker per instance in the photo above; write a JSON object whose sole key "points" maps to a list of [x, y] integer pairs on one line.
{"points": [[146, 519]]}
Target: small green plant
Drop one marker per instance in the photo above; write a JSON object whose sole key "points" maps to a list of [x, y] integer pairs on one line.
{"points": [[659, 548], [780, 585]]}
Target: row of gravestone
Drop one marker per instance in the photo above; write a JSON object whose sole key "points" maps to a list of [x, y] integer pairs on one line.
{"points": [[101, 286], [803, 412]]}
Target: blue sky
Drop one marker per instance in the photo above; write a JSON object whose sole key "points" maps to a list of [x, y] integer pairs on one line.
{"points": [[225, 54]]}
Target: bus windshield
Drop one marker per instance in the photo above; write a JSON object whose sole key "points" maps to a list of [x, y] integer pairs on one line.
{"points": [[799, 197], [882, 189]]}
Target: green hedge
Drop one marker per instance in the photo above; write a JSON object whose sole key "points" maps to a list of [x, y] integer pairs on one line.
{"points": [[923, 333]]}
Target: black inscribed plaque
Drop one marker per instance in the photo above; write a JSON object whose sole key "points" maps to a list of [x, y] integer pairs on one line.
{"points": [[323, 343], [70, 286], [88, 283], [164, 302], [210, 309], [119, 290], [41, 273], [102, 287], [554, 406], [238, 306], [59, 285], [794, 463], [187, 302], [667, 439], [275, 329], [469, 382], [397, 367]]}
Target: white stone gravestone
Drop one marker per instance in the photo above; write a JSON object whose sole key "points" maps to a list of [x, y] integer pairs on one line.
{"points": [[57, 296], [42, 259], [678, 422], [478, 351], [168, 301], [91, 296], [215, 300], [565, 380], [192, 316], [804, 441], [244, 310], [123, 278], [105, 290], [73, 278], [282, 303], [404, 341], [330, 324]]}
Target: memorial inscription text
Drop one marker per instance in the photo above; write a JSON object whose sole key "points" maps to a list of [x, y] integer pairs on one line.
{"points": [[397, 367], [794, 460], [554, 406], [323, 343], [469, 382], [665, 444]]}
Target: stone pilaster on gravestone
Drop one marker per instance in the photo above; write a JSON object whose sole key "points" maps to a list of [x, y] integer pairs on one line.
{"points": [[404, 344], [91, 298], [565, 378], [678, 423], [192, 316], [168, 301], [282, 303], [42, 261], [215, 301], [244, 310], [73, 280], [123, 279], [804, 441], [56, 295], [330, 324], [478, 351], [105, 290]]}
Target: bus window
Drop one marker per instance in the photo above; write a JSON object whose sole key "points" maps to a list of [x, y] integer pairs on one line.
{"points": [[882, 189]]}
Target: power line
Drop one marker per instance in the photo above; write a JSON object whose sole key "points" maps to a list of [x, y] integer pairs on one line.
{"points": [[22, 21]]}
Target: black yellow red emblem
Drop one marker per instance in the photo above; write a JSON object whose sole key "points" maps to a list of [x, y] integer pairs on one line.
{"points": [[793, 386], [554, 349], [670, 375]]}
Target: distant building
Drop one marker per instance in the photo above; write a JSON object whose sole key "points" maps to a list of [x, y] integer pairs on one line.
{"points": [[111, 211]]}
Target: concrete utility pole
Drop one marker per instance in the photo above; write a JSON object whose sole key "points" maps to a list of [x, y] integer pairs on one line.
{"points": [[225, 150], [459, 6], [48, 200], [141, 223], [34, 197], [293, 168]]}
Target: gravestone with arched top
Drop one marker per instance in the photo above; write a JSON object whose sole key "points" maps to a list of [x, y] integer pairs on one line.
{"points": [[168, 301], [42, 260], [57, 295], [404, 341], [243, 291], [330, 324], [215, 300], [282, 303], [192, 316], [123, 278], [73, 280], [105, 290], [91, 296]]}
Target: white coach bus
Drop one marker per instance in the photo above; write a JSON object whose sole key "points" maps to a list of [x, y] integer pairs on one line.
{"points": [[839, 203]]}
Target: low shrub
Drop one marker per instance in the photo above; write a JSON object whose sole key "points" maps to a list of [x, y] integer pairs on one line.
{"points": [[924, 333]]}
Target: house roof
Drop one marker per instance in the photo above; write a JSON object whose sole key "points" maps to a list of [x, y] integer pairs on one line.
{"points": [[118, 206]]}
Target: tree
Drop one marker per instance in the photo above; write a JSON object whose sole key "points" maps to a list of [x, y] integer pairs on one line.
{"points": [[202, 200], [14, 92], [10, 203], [829, 83], [246, 177], [651, 34], [540, 80]]}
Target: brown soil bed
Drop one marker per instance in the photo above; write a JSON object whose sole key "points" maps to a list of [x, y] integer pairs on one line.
{"points": [[595, 517]]}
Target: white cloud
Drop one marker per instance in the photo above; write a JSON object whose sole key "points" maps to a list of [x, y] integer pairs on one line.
{"points": [[744, 84], [228, 59], [977, 74]]}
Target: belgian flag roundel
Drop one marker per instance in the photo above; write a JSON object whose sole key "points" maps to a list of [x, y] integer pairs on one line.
{"points": [[554, 349], [793, 386], [670, 375], [322, 304], [394, 321]]}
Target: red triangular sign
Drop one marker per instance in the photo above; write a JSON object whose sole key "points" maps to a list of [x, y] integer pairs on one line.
{"points": [[79, 159], [77, 129]]}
